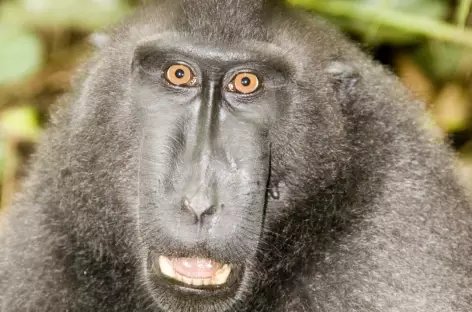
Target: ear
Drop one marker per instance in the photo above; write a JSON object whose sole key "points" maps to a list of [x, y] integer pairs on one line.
{"points": [[344, 78], [99, 40]]}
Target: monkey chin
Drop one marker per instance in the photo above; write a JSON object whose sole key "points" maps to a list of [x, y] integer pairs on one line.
{"points": [[194, 276]]}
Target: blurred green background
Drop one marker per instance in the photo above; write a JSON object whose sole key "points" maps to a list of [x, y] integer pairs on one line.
{"points": [[426, 42]]}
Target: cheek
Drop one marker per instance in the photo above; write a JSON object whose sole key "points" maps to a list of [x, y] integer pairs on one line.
{"points": [[309, 150], [155, 101]]}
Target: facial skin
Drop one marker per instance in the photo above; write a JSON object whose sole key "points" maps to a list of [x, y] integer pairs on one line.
{"points": [[240, 156], [205, 154]]}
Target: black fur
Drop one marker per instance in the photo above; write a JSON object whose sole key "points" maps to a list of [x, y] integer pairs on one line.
{"points": [[329, 193]]}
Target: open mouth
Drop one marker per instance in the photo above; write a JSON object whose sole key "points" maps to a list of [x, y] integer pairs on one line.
{"points": [[198, 273]]}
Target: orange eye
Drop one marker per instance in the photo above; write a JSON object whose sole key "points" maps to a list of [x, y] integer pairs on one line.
{"points": [[180, 75], [244, 83]]}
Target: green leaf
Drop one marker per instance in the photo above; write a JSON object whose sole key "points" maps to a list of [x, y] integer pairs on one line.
{"points": [[463, 12], [21, 123], [21, 54], [436, 9], [381, 21], [3, 152], [87, 15], [443, 61]]}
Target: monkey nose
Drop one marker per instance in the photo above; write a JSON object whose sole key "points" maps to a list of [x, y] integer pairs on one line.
{"points": [[197, 208]]}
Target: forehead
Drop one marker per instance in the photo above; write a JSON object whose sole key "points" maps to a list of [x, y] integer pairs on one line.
{"points": [[274, 35], [226, 20], [217, 20], [175, 43]]}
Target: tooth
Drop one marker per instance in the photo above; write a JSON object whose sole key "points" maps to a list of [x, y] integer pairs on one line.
{"points": [[186, 280], [221, 276], [166, 267]]}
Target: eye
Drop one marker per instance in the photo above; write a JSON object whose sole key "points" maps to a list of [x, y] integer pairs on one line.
{"points": [[244, 83], [180, 75]]}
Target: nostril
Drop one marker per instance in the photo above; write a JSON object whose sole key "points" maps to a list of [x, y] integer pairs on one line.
{"points": [[210, 211], [198, 211], [185, 205]]}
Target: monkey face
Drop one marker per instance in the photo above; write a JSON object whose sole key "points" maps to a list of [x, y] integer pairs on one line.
{"points": [[223, 147], [209, 177], [204, 119]]}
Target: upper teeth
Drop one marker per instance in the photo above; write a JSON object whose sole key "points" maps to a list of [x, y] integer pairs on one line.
{"points": [[219, 278]]}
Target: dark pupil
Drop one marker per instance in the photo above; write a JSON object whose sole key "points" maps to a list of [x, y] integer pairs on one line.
{"points": [[245, 81], [179, 73]]}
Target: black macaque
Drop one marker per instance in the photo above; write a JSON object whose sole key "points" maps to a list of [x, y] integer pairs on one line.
{"points": [[237, 155]]}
